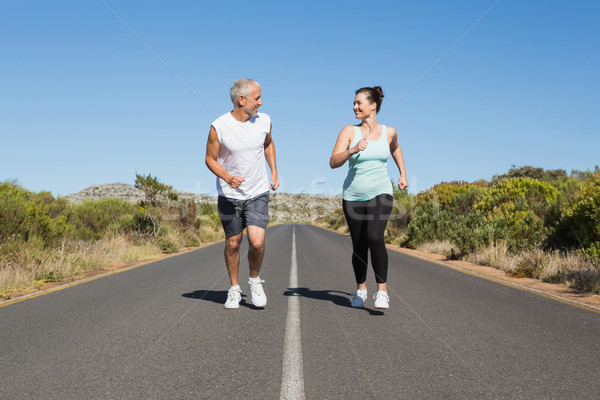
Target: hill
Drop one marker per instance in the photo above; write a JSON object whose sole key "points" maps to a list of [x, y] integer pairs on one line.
{"points": [[283, 207]]}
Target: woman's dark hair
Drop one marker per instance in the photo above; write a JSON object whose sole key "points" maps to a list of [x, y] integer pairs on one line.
{"points": [[374, 94]]}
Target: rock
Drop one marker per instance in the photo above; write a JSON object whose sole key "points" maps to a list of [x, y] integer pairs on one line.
{"points": [[283, 207]]}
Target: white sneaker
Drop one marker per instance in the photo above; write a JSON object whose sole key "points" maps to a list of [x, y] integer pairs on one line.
{"points": [[259, 298], [233, 298], [359, 298], [382, 300]]}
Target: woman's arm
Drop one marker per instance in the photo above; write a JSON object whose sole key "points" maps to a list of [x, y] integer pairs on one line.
{"points": [[341, 153], [396, 153]]}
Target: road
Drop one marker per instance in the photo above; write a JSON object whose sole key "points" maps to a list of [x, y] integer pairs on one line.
{"points": [[159, 331]]}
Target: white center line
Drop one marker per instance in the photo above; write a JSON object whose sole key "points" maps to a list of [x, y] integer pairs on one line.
{"points": [[292, 381]]}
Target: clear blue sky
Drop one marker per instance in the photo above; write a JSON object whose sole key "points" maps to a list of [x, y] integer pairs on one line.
{"points": [[93, 91]]}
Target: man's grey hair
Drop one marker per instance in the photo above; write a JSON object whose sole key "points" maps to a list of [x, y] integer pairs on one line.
{"points": [[241, 87]]}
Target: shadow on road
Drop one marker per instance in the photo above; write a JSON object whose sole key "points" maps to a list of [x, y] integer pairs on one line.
{"points": [[327, 295], [217, 296]]}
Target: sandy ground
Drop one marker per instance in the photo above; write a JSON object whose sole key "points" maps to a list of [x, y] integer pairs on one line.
{"points": [[560, 292]]}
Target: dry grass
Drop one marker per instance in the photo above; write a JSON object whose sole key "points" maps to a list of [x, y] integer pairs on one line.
{"points": [[444, 248], [26, 265], [209, 234], [572, 269]]}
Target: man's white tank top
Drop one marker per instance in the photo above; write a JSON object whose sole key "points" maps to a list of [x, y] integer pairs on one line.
{"points": [[243, 154]]}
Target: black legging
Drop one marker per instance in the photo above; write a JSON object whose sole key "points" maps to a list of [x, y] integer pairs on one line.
{"points": [[366, 221]]}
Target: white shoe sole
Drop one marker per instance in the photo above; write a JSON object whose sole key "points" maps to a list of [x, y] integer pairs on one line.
{"points": [[259, 303]]}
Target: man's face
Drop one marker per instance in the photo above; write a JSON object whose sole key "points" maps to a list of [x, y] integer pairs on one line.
{"points": [[252, 102]]}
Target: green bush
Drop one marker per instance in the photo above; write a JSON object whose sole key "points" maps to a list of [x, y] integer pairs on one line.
{"points": [[51, 276], [400, 216], [190, 239], [13, 212], [167, 246], [444, 193], [24, 214], [592, 252], [580, 224], [92, 220], [207, 209], [336, 220], [516, 210], [528, 171], [143, 223], [445, 213]]}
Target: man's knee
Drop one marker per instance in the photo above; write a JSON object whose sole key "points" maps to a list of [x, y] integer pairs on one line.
{"points": [[256, 238], [232, 243], [257, 244]]}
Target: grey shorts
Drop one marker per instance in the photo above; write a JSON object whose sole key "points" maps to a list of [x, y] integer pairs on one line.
{"points": [[238, 214]]}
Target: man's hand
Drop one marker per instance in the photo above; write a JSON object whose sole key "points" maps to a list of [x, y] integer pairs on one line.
{"points": [[235, 181], [275, 182]]}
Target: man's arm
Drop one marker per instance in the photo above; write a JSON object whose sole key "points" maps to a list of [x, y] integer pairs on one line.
{"points": [[271, 160], [213, 146]]}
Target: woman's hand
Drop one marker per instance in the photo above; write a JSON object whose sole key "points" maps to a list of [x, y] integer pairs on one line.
{"points": [[361, 145], [402, 183]]}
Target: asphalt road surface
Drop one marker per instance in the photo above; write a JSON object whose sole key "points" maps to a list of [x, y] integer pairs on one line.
{"points": [[159, 331]]}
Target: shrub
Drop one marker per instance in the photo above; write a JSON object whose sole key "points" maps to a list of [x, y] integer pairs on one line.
{"points": [[92, 220], [24, 214], [580, 224], [528, 171], [190, 239], [335, 220], [516, 209], [207, 209], [445, 213], [187, 214], [167, 246], [444, 193], [157, 198], [13, 212], [400, 216], [592, 253]]}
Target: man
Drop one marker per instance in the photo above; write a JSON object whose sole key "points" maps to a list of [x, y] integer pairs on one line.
{"points": [[238, 144]]}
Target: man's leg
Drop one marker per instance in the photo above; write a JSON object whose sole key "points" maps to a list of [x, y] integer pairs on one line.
{"points": [[256, 213], [256, 242], [232, 257]]}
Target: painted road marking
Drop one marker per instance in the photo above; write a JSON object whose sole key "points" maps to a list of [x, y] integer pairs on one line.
{"points": [[292, 382]]}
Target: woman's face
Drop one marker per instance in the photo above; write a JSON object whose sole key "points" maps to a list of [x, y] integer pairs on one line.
{"points": [[362, 106]]}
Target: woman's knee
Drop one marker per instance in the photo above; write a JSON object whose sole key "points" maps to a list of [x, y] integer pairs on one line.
{"points": [[376, 239]]}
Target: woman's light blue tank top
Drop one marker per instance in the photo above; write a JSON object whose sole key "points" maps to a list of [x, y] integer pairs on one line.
{"points": [[367, 176]]}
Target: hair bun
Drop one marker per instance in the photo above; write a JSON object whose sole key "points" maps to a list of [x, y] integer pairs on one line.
{"points": [[379, 90]]}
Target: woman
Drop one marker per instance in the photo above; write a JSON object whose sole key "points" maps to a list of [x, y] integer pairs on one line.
{"points": [[367, 196]]}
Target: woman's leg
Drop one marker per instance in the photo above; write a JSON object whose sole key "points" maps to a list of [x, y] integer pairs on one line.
{"points": [[379, 212], [355, 217]]}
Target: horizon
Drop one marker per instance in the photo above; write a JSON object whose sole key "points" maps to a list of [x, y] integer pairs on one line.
{"points": [[571, 173]]}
